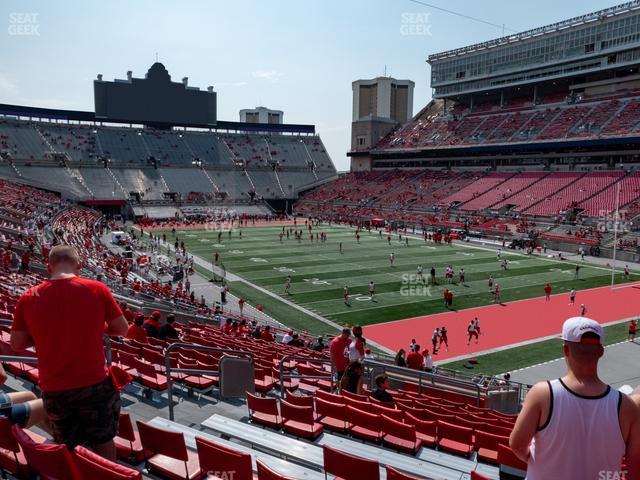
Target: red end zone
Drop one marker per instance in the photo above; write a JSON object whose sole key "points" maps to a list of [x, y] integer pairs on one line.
{"points": [[507, 324]]}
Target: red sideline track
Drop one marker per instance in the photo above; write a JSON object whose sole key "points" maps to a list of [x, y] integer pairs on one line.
{"points": [[506, 324]]}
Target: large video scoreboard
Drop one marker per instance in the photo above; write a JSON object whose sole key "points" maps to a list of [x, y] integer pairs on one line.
{"points": [[154, 100]]}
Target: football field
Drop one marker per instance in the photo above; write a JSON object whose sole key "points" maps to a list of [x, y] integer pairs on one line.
{"points": [[319, 271]]}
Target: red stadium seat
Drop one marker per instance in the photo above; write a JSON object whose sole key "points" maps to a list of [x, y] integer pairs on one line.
{"points": [[299, 400], [364, 425], [166, 454], [52, 462], [330, 397], [299, 421], [363, 406], [509, 463], [426, 430], [389, 412], [149, 377], [393, 474], [354, 396], [486, 444], [12, 459], [94, 467], [220, 461], [400, 436], [331, 415], [349, 467], [455, 439], [264, 411], [476, 476], [263, 382], [127, 440]]}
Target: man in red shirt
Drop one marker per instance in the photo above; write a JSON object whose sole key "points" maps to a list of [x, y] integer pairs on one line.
{"points": [[136, 331], [337, 350], [547, 292], [415, 360], [65, 319], [266, 334]]}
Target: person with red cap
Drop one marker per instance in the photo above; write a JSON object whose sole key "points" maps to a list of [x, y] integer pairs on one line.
{"points": [[577, 426]]}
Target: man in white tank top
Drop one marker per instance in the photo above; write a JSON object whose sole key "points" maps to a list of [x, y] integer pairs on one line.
{"points": [[577, 427]]}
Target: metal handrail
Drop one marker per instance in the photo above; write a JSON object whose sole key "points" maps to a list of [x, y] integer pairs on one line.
{"points": [[322, 361], [192, 346], [15, 358], [432, 377]]}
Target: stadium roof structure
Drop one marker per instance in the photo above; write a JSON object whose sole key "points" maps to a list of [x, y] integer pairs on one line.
{"points": [[90, 117], [536, 32]]}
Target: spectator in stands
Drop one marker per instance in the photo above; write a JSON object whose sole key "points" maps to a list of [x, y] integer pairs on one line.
{"points": [[382, 384], [562, 415], [287, 337], [22, 408], [14, 263], [428, 360], [152, 324], [25, 261], [136, 331], [295, 341], [356, 347], [126, 311], [168, 331], [266, 334], [352, 379], [319, 344], [256, 332], [415, 359], [337, 350], [401, 358], [78, 394]]}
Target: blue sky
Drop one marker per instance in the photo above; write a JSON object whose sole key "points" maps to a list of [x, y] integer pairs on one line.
{"points": [[299, 56]]}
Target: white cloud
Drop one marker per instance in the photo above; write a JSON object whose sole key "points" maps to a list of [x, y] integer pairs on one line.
{"points": [[270, 75]]}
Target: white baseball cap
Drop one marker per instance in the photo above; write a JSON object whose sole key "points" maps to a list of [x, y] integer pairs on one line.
{"points": [[575, 327]]}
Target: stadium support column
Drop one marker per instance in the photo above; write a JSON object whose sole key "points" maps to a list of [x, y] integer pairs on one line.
{"points": [[501, 98]]}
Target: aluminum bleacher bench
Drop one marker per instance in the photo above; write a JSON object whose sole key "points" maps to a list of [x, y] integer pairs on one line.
{"points": [[311, 454], [281, 466]]}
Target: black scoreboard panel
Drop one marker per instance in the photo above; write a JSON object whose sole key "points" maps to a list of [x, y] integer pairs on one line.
{"points": [[154, 100]]}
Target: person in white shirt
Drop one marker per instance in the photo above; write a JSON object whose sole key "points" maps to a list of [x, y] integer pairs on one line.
{"points": [[577, 426], [287, 337], [428, 360]]}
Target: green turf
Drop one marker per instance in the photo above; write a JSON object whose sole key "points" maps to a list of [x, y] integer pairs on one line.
{"points": [[520, 357], [319, 272]]}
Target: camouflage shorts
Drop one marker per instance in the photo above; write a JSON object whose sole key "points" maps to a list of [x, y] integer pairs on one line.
{"points": [[84, 416]]}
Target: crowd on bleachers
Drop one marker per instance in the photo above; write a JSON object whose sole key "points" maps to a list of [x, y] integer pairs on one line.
{"points": [[555, 118]]}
